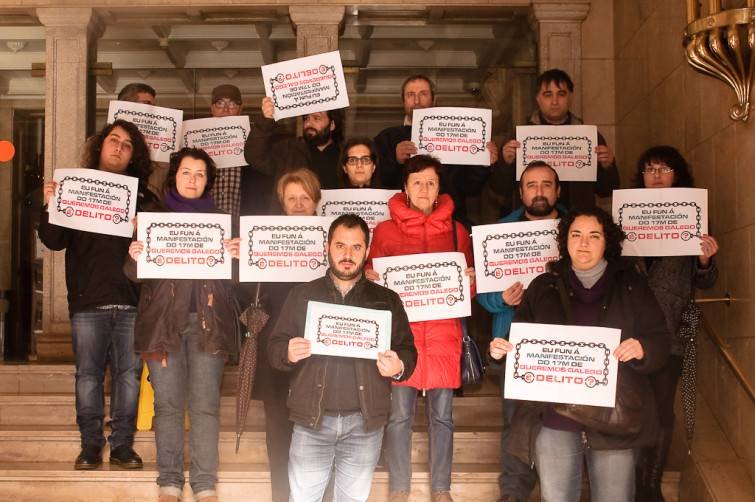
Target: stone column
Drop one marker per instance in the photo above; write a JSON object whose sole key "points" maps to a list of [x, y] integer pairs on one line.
{"points": [[316, 28], [71, 35], [559, 35], [316, 32]]}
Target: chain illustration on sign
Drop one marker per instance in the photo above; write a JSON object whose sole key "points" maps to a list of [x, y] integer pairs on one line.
{"points": [[589, 381], [194, 142], [497, 272], [66, 208], [685, 235], [462, 134], [304, 92], [161, 260], [579, 164], [313, 263], [450, 299], [327, 341], [163, 146], [324, 206]]}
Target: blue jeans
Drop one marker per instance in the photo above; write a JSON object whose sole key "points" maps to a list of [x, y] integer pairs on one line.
{"points": [[189, 379], [100, 335], [439, 410], [559, 456], [517, 478], [343, 440]]}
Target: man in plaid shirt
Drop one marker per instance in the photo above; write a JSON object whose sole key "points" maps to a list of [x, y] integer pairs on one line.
{"points": [[226, 102]]}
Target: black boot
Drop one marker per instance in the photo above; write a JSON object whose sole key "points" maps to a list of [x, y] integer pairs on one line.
{"points": [[655, 463]]}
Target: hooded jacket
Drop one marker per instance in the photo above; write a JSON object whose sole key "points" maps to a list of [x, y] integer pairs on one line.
{"points": [[411, 232]]}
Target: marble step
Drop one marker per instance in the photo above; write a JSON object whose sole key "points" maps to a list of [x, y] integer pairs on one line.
{"points": [[43, 482], [61, 443], [59, 409], [35, 378]]}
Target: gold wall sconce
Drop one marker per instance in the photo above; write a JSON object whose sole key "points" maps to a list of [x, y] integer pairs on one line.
{"points": [[722, 45]]}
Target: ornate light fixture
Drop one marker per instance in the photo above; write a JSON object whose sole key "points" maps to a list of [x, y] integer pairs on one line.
{"points": [[722, 45]]}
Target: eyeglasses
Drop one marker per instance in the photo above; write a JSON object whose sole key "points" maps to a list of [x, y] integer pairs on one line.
{"points": [[231, 105], [365, 161], [652, 170]]}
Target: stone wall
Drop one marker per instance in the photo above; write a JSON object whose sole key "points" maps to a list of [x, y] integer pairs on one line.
{"points": [[661, 100]]}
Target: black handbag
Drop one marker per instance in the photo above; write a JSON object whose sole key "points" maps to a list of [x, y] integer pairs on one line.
{"points": [[627, 416], [472, 368]]}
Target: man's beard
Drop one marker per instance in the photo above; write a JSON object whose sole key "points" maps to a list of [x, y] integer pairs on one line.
{"points": [[318, 138], [346, 276], [536, 209]]}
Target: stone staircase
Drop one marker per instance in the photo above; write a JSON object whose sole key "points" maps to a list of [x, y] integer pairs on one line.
{"points": [[39, 440]]}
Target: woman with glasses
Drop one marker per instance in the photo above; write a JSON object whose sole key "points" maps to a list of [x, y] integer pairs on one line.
{"points": [[673, 280], [358, 166]]}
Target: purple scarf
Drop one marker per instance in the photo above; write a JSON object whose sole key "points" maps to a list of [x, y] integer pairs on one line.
{"points": [[180, 204]]}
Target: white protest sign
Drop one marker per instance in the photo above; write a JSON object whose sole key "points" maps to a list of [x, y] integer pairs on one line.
{"points": [[506, 253], [160, 126], [183, 246], [661, 221], [283, 248], [431, 285], [454, 135], [570, 150], [305, 85], [223, 138], [369, 203], [562, 364], [94, 201], [345, 331]]}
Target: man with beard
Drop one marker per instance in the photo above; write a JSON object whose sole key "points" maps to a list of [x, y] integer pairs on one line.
{"points": [[554, 98], [339, 405], [539, 189], [318, 149]]}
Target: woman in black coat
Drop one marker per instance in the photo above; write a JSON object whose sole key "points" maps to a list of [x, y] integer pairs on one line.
{"points": [[602, 290]]}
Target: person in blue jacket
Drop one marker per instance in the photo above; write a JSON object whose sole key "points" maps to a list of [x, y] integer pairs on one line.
{"points": [[539, 189]]}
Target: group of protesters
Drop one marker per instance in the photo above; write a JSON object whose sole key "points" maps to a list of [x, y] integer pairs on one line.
{"points": [[329, 418]]}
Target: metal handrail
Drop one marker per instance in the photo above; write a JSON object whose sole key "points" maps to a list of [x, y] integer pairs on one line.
{"points": [[728, 357]]}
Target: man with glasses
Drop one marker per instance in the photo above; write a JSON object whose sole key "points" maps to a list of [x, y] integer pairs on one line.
{"points": [[317, 149], [226, 102]]}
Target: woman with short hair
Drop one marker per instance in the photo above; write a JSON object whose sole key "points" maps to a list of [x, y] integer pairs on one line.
{"points": [[421, 222]]}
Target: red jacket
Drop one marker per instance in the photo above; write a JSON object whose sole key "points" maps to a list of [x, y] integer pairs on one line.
{"points": [[410, 232]]}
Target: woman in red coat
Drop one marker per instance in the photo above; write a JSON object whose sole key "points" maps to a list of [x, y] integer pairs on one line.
{"points": [[421, 223]]}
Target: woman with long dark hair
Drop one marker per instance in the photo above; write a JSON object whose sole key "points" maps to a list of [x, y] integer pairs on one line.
{"points": [[102, 303]]}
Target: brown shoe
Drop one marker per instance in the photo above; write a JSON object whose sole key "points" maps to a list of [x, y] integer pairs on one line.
{"points": [[167, 498], [398, 497], [442, 497], [211, 498]]}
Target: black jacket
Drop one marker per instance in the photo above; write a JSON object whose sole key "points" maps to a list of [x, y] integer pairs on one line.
{"points": [[276, 158], [628, 305], [307, 390], [573, 193], [164, 306], [94, 263]]}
